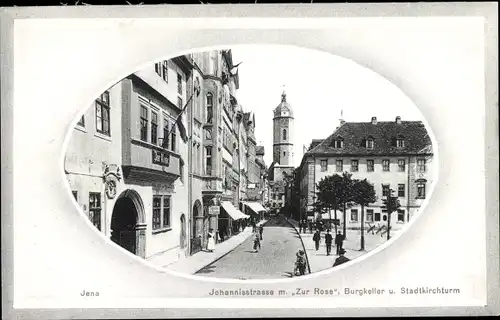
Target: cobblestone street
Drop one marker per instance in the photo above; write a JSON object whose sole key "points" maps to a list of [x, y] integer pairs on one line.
{"points": [[275, 259]]}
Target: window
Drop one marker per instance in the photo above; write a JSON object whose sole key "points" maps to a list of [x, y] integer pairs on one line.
{"points": [[385, 190], [179, 83], [179, 102], [354, 165], [284, 134], [421, 165], [339, 143], [369, 143], [400, 143], [420, 190], [75, 194], [173, 138], [324, 165], [158, 68], [144, 123], [401, 190], [284, 153], [208, 170], [95, 209], [166, 211], [154, 127], [401, 165], [377, 216], [339, 165], [354, 214], [81, 122], [164, 143], [370, 165], [164, 73], [210, 108], [386, 165], [369, 215], [102, 113], [156, 212], [401, 215]]}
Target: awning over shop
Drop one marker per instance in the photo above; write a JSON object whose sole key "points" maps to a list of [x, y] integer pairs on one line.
{"points": [[255, 206], [232, 211]]}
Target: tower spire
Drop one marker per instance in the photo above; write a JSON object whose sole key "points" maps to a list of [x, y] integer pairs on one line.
{"points": [[283, 94]]}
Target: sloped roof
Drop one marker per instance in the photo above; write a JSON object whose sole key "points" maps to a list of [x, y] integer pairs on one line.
{"points": [[259, 150], [314, 143], [384, 133]]}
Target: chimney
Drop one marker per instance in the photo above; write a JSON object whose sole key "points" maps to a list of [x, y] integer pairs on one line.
{"points": [[398, 120], [374, 120]]}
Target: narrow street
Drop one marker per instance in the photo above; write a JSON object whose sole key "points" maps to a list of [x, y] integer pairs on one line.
{"points": [[275, 259]]}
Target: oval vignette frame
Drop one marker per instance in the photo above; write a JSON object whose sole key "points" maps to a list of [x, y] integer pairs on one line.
{"points": [[368, 254]]}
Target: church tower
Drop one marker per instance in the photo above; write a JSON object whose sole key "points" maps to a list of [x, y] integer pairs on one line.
{"points": [[283, 134]]}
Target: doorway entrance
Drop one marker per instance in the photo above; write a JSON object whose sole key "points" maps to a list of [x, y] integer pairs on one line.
{"points": [[128, 228], [198, 232]]}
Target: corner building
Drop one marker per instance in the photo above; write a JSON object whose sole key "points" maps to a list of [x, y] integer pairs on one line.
{"points": [[389, 154], [125, 172]]}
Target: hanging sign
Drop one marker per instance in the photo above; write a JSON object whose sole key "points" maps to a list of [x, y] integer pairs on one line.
{"points": [[214, 210]]}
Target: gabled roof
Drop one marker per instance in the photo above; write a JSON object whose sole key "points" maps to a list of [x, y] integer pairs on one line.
{"points": [[384, 133]]}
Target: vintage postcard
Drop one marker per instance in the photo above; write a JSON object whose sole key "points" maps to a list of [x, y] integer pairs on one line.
{"points": [[236, 161]]}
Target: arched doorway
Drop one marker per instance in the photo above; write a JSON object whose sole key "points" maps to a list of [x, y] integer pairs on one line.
{"points": [[128, 227]]}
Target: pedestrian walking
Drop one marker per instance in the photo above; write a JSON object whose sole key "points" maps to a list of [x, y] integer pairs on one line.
{"points": [[300, 264], [341, 259], [256, 242], [261, 230], [339, 241], [253, 226], [317, 239], [211, 240], [310, 227], [328, 242]]}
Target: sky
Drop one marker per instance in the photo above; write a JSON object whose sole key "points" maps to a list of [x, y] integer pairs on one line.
{"points": [[318, 86]]}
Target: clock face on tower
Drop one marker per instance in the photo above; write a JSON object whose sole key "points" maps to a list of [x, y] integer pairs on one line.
{"points": [[283, 122]]}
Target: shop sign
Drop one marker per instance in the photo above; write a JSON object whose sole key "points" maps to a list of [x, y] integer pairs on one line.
{"points": [[214, 210], [161, 158]]}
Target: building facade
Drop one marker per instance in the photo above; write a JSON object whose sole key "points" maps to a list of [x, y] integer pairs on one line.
{"points": [[126, 167], [165, 155], [390, 154]]}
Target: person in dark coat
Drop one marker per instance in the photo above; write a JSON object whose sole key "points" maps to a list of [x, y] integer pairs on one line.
{"points": [[328, 242], [317, 239], [221, 234], [339, 241], [254, 226], [341, 259], [310, 227], [256, 242], [261, 230]]}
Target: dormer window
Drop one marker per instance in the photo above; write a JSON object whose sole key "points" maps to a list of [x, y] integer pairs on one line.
{"points": [[338, 143], [400, 142], [369, 143]]}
